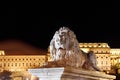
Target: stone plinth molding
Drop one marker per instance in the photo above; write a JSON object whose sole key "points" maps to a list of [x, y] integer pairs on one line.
{"points": [[80, 74], [62, 73], [47, 73]]}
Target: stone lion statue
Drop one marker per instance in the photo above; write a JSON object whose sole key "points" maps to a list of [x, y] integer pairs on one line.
{"points": [[65, 51]]}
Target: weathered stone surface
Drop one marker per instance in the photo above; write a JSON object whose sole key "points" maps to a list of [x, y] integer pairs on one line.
{"points": [[80, 74], [76, 64], [67, 73], [47, 73], [65, 51]]}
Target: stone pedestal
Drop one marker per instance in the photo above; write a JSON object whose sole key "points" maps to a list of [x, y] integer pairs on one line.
{"points": [[79, 74], [47, 73], [69, 74]]}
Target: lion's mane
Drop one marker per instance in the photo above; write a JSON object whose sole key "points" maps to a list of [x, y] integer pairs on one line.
{"points": [[65, 51]]}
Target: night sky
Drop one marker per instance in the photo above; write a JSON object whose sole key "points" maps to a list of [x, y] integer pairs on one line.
{"points": [[37, 25]]}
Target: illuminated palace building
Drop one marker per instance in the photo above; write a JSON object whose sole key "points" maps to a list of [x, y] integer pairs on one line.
{"points": [[106, 57]]}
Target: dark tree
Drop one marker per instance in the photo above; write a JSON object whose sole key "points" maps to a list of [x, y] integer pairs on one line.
{"points": [[5, 75]]}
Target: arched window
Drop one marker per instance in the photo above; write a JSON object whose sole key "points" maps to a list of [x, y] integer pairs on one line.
{"points": [[8, 64], [26, 64], [101, 62], [15, 64], [19, 64], [106, 62], [23, 64]]}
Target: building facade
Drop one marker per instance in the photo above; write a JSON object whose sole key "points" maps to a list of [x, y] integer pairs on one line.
{"points": [[115, 56], [106, 57], [21, 62], [102, 52]]}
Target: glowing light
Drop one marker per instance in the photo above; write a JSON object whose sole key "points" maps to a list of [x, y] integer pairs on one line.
{"points": [[2, 52]]}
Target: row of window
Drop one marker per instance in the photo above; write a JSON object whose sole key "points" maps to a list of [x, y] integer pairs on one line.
{"points": [[102, 62], [106, 52], [19, 64], [88, 46], [40, 59], [102, 57], [105, 68], [115, 53]]}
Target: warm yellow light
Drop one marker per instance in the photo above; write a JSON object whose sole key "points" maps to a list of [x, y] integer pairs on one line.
{"points": [[103, 45], [95, 46], [90, 46], [85, 49], [2, 52]]}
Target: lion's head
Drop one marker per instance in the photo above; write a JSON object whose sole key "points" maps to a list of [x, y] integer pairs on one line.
{"points": [[62, 38], [64, 46], [65, 51]]}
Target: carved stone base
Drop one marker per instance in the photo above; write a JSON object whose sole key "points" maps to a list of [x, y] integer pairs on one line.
{"points": [[78, 74], [69, 74], [47, 73]]}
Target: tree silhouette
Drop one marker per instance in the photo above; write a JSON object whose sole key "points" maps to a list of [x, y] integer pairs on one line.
{"points": [[5, 75]]}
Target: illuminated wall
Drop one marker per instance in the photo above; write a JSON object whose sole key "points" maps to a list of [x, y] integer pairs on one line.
{"points": [[21, 62], [106, 57], [102, 52], [115, 56], [2, 52]]}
